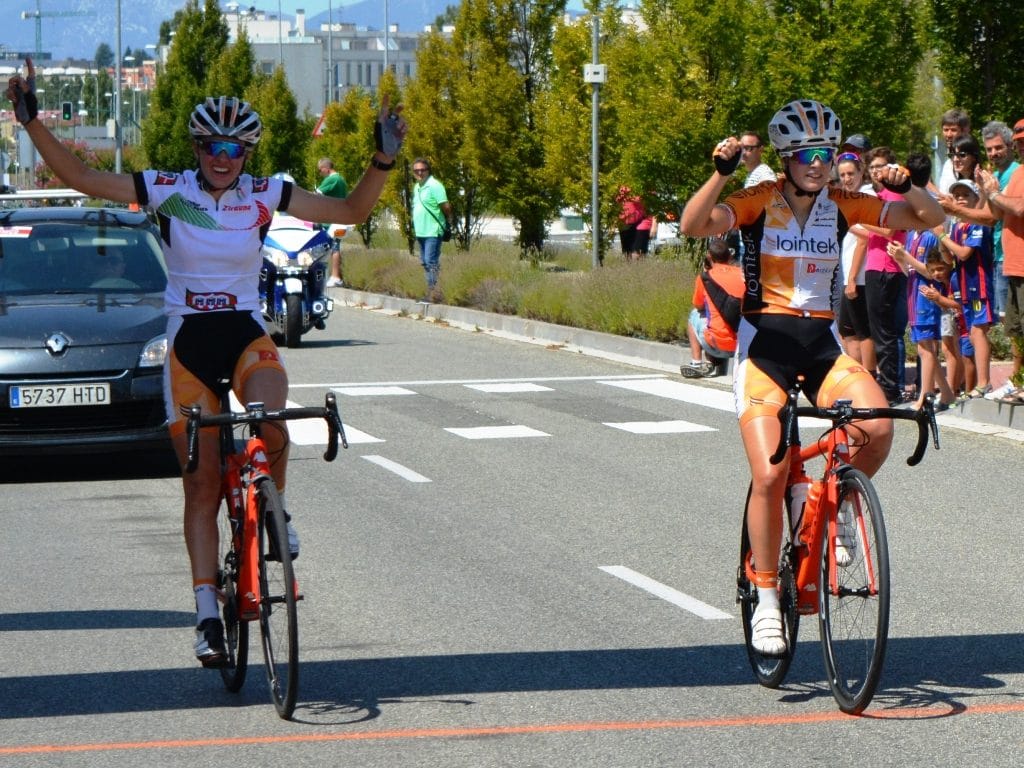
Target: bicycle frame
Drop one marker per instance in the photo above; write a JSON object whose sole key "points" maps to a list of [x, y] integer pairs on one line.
{"points": [[818, 517], [240, 470]]}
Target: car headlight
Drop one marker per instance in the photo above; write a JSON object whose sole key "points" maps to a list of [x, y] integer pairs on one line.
{"points": [[154, 353]]}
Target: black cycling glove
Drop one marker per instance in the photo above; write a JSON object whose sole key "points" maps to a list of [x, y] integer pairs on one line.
{"points": [[726, 166], [901, 188], [27, 106]]}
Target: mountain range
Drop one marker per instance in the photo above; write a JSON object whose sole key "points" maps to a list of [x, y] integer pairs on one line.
{"points": [[75, 28]]}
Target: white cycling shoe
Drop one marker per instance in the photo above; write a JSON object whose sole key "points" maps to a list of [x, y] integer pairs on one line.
{"points": [[767, 637]]}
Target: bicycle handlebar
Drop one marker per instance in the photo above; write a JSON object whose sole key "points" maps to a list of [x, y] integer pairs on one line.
{"points": [[255, 413], [843, 412]]}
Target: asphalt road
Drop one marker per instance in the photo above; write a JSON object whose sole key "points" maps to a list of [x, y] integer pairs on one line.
{"points": [[470, 567]]}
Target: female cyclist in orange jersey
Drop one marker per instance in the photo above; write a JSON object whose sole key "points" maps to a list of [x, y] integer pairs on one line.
{"points": [[792, 231]]}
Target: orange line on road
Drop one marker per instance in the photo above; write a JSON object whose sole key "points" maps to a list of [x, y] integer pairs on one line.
{"points": [[507, 730]]}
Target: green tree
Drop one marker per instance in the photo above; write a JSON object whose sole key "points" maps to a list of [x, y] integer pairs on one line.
{"points": [[980, 49], [104, 56], [200, 38], [438, 133], [348, 141], [283, 145], [504, 65]]}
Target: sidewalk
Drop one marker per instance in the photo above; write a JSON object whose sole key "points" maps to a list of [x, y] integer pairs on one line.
{"points": [[980, 415]]}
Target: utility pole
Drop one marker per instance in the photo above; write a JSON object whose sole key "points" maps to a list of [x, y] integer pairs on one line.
{"points": [[595, 74]]}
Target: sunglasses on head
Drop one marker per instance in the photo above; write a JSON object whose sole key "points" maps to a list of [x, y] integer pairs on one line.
{"points": [[808, 156], [233, 150], [848, 157]]}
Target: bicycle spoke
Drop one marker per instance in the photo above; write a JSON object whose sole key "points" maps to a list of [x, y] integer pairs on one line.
{"points": [[278, 615], [854, 609]]}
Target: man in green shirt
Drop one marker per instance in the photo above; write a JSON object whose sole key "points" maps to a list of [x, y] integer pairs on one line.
{"points": [[333, 185], [431, 211]]}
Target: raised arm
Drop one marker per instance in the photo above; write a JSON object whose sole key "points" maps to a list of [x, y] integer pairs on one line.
{"points": [[701, 217], [118, 187], [389, 132]]}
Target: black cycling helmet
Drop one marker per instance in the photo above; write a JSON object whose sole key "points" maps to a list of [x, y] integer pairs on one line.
{"points": [[227, 117]]}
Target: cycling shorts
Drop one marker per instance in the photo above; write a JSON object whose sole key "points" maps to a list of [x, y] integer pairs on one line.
{"points": [[774, 350], [208, 353]]}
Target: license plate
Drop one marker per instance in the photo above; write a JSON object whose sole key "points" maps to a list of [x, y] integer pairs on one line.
{"points": [[58, 395]]}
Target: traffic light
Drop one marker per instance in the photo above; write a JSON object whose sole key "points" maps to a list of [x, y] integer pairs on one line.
{"points": [[65, 109]]}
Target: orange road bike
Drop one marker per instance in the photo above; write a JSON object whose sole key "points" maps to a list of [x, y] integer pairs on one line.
{"points": [[834, 559], [256, 578]]}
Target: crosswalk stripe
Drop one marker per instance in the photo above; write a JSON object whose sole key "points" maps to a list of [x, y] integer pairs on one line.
{"points": [[509, 387], [659, 427], [496, 432]]}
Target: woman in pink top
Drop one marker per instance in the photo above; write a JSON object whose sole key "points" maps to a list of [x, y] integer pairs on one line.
{"points": [[885, 289]]}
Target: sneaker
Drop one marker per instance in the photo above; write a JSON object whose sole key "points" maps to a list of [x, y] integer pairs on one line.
{"points": [[293, 541], [846, 535], [334, 282], [209, 643], [1000, 392], [767, 637], [709, 369], [694, 370]]}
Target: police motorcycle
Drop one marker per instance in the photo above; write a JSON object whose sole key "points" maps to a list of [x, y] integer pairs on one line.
{"points": [[293, 278]]}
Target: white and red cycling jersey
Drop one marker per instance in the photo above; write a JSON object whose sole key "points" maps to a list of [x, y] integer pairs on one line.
{"points": [[789, 269], [212, 247]]}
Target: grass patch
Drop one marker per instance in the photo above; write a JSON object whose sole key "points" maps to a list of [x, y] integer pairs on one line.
{"points": [[649, 300]]}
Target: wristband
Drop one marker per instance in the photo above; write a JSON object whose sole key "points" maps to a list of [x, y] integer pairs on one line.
{"points": [[381, 166]]}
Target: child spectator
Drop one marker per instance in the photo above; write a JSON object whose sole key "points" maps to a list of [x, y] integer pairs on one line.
{"points": [[970, 246], [927, 299], [715, 315]]}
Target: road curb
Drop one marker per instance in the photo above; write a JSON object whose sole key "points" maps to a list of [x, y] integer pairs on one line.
{"points": [[990, 417]]}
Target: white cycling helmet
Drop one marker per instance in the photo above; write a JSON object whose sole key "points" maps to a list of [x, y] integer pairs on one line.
{"points": [[228, 117], [804, 124]]}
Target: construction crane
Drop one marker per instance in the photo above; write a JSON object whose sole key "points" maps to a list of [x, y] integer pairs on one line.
{"points": [[38, 15]]}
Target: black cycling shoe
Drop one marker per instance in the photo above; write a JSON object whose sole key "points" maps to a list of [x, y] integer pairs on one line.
{"points": [[209, 643]]}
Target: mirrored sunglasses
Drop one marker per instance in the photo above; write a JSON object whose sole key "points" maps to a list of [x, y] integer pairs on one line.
{"points": [[233, 150], [848, 157], [808, 156]]}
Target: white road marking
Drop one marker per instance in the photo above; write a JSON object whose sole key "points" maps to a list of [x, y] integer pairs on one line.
{"points": [[372, 391], [432, 382], [659, 427], [398, 469], [494, 433], [718, 399], [509, 387], [674, 596]]}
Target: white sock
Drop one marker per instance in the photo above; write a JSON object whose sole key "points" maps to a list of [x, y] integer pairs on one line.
{"points": [[206, 602], [768, 597], [695, 363]]}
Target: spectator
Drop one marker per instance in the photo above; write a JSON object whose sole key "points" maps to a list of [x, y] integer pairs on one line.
{"points": [[854, 329], [998, 141], [970, 247], [430, 212], [634, 224], [927, 299], [333, 185], [955, 123], [855, 147], [715, 315], [751, 147], [1008, 204], [885, 288]]}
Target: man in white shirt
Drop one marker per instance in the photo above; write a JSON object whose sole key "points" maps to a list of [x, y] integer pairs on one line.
{"points": [[757, 171]]}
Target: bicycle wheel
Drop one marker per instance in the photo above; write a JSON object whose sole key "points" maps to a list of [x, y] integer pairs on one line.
{"points": [[854, 617], [236, 633], [770, 671], [279, 628]]}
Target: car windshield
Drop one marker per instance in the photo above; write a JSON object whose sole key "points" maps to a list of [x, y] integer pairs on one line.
{"points": [[63, 257]]}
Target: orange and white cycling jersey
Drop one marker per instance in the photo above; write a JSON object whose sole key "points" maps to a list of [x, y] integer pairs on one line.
{"points": [[789, 269]]}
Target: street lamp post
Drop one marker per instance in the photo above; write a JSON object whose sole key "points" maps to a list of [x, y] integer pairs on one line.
{"points": [[117, 87]]}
